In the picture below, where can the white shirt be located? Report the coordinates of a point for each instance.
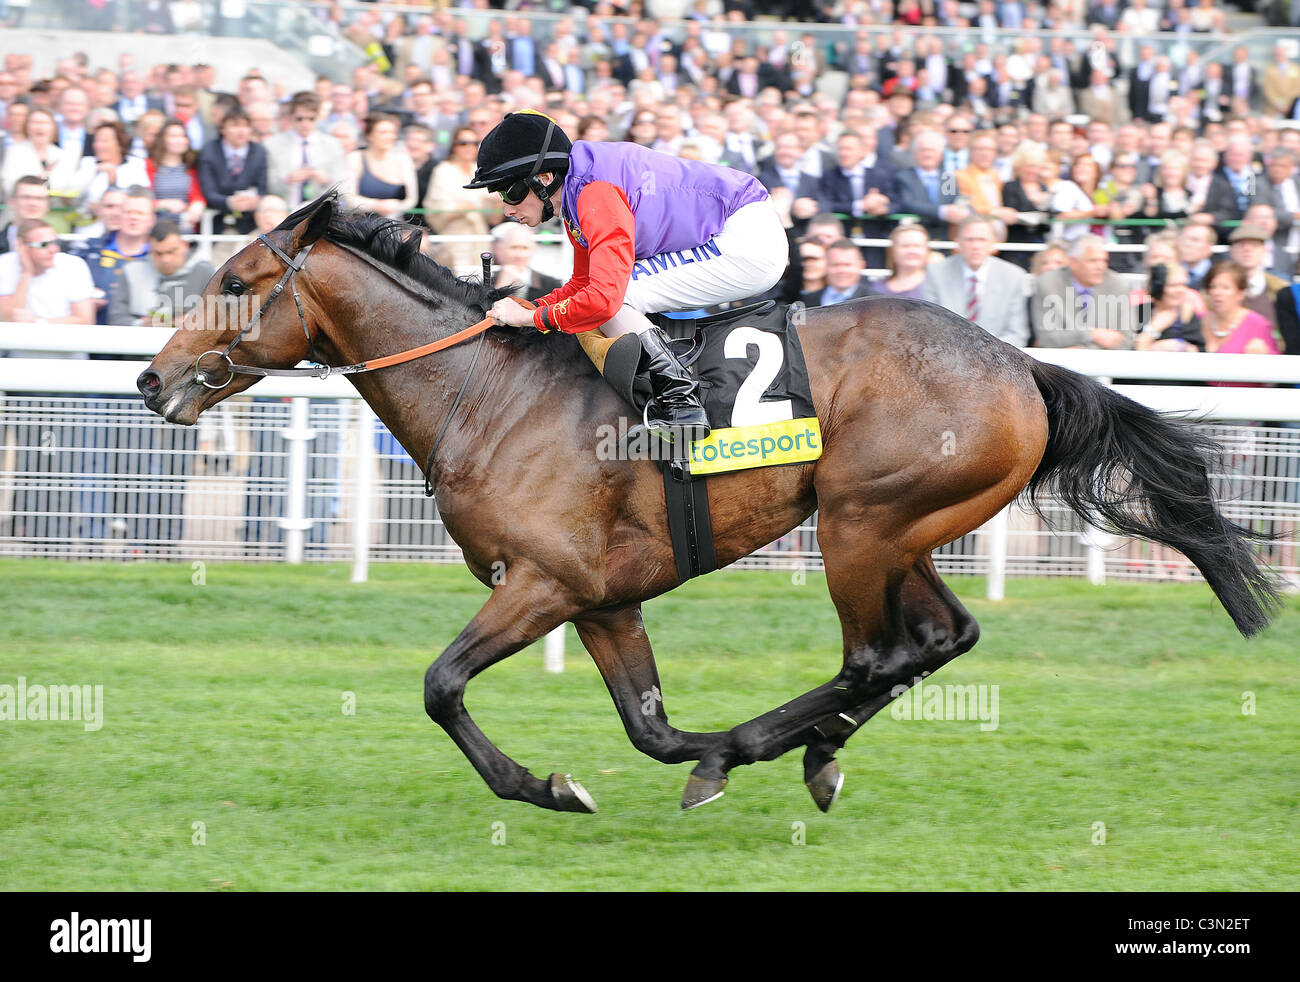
(981, 278)
(53, 293)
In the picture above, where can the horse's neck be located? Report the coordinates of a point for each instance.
(414, 399)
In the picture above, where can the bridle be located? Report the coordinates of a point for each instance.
(293, 268)
(320, 370)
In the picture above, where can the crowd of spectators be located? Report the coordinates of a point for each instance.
(1056, 162)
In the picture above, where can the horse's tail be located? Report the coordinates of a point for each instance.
(1130, 470)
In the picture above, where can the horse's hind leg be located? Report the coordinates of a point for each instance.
(617, 642)
(868, 595)
(939, 628)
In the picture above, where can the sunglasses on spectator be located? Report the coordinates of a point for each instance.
(467, 143)
(957, 129)
(43, 244)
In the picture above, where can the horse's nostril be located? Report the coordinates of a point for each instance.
(149, 382)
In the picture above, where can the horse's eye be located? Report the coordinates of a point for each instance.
(235, 287)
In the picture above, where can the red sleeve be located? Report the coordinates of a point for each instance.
(601, 272)
(581, 264)
(196, 193)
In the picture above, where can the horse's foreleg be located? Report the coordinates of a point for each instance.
(521, 610)
(617, 642)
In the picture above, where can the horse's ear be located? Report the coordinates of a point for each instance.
(317, 223)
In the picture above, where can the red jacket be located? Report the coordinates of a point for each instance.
(601, 270)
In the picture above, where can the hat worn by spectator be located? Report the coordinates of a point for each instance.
(1248, 233)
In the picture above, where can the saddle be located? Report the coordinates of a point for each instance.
(755, 388)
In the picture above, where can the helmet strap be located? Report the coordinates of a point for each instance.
(534, 182)
(544, 193)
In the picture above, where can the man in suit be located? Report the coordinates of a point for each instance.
(1281, 80)
(1139, 83)
(1283, 187)
(861, 60)
(551, 68)
(1214, 95)
(740, 144)
(302, 161)
(811, 128)
(1052, 96)
(925, 190)
(1262, 286)
(1235, 185)
(979, 286)
(956, 155)
(74, 106)
(469, 57)
(233, 171)
(1083, 304)
(132, 101)
(1241, 77)
(782, 170)
(855, 188)
(1104, 12)
(521, 46)
(513, 247)
(844, 266)
(1099, 101)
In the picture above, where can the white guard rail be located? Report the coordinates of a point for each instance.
(50, 371)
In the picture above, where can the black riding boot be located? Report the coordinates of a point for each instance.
(676, 405)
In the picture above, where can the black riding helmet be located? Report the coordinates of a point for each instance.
(520, 147)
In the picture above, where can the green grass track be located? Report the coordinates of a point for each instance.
(1122, 758)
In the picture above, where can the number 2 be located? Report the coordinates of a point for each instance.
(749, 409)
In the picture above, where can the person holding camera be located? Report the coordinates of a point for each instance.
(1174, 324)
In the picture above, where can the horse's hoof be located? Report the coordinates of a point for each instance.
(702, 790)
(825, 785)
(570, 796)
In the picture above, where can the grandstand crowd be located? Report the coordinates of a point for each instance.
(1118, 193)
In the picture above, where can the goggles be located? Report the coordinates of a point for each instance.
(515, 193)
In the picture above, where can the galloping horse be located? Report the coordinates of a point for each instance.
(509, 426)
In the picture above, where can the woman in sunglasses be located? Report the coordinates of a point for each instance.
(650, 233)
(449, 209)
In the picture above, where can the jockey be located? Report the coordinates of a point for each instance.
(650, 233)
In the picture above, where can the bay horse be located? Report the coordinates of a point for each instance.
(930, 427)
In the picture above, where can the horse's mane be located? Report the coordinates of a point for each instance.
(396, 244)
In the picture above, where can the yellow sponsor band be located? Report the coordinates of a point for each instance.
(789, 441)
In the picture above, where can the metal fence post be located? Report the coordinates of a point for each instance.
(295, 521)
(364, 462)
